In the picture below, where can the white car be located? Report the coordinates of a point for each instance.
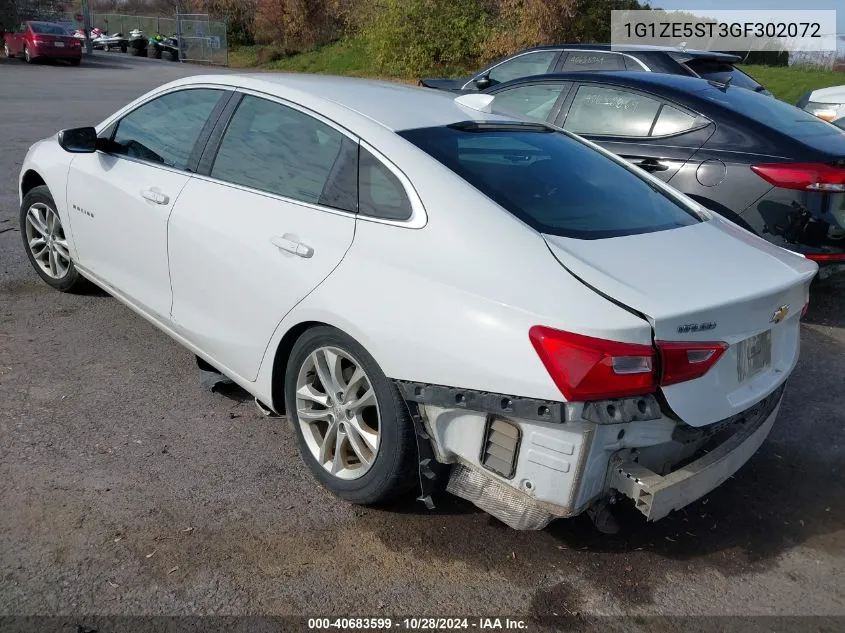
(825, 103)
(414, 278)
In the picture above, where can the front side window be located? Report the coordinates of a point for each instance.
(553, 182)
(280, 150)
(165, 130)
(525, 65)
(610, 111)
(592, 61)
(534, 101)
(381, 195)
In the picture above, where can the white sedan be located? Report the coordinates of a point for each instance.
(416, 279)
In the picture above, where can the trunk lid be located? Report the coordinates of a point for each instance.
(710, 281)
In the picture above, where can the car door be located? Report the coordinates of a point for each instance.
(120, 198)
(657, 136)
(269, 216)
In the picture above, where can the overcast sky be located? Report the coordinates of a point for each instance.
(758, 4)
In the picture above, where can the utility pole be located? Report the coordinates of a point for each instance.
(86, 25)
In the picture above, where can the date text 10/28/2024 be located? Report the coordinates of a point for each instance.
(418, 624)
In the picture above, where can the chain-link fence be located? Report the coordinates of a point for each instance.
(201, 39)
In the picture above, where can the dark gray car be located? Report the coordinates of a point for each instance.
(600, 57)
(766, 165)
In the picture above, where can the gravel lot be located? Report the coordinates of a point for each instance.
(126, 489)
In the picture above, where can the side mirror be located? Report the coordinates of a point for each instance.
(483, 82)
(81, 140)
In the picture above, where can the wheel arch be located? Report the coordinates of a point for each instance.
(280, 361)
(30, 180)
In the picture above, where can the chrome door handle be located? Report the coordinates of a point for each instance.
(155, 196)
(291, 244)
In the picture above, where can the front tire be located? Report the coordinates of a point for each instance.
(45, 242)
(353, 427)
(7, 50)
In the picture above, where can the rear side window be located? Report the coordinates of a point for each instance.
(610, 111)
(553, 182)
(593, 61)
(672, 121)
(534, 101)
(380, 194)
(535, 63)
(280, 150)
(165, 130)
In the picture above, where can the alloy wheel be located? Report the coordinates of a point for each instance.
(46, 239)
(338, 412)
(26, 54)
(6, 50)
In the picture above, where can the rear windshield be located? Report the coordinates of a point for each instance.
(721, 72)
(553, 182)
(771, 112)
(46, 28)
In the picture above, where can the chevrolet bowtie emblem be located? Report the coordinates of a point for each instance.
(780, 314)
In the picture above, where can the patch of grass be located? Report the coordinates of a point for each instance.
(345, 57)
(788, 83)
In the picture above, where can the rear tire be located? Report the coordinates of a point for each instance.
(45, 241)
(7, 50)
(28, 58)
(386, 472)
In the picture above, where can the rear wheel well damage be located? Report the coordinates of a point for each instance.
(31, 179)
(280, 362)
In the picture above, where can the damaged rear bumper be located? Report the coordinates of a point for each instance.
(527, 462)
(656, 496)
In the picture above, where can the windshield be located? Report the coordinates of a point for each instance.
(773, 113)
(46, 28)
(553, 182)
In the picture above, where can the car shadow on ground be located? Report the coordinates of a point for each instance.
(827, 304)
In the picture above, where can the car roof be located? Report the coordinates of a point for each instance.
(393, 105)
(637, 48)
(666, 83)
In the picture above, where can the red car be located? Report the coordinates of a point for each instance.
(42, 40)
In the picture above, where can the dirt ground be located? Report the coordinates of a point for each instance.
(126, 489)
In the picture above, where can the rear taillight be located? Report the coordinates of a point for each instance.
(588, 368)
(826, 257)
(682, 361)
(803, 176)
